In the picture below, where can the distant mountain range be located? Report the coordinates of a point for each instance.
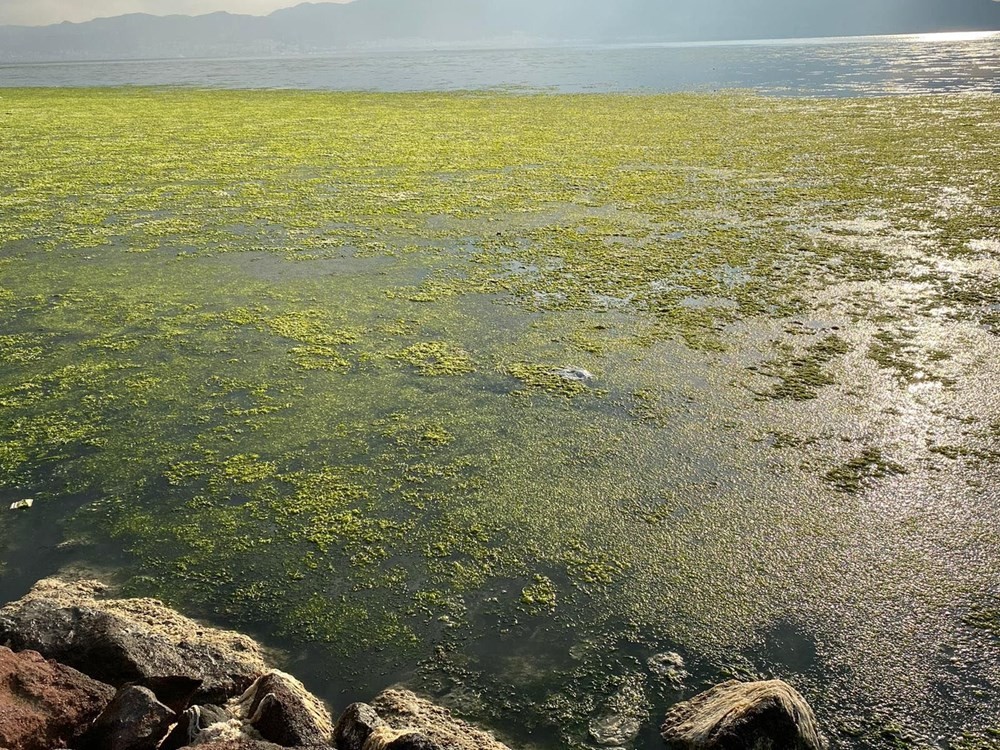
(314, 28)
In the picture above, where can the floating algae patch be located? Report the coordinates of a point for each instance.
(259, 351)
(869, 465)
(802, 376)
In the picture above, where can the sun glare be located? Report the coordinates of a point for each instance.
(956, 36)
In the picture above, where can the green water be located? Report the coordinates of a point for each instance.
(286, 360)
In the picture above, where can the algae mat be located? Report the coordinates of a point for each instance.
(291, 361)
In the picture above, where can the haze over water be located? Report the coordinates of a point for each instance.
(849, 66)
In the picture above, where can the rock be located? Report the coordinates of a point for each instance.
(407, 712)
(624, 714)
(743, 716)
(283, 711)
(118, 641)
(134, 720)
(574, 374)
(45, 705)
(385, 738)
(243, 743)
(669, 666)
(175, 692)
(355, 726)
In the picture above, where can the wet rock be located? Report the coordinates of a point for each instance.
(573, 374)
(743, 716)
(405, 711)
(623, 715)
(45, 705)
(243, 743)
(670, 667)
(283, 711)
(355, 726)
(385, 738)
(134, 720)
(118, 641)
(175, 692)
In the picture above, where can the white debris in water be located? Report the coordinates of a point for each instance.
(26, 503)
(575, 374)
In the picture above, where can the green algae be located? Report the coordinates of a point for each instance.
(985, 617)
(540, 596)
(802, 376)
(236, 341)
(854, 474)
(544, 378)
(437, 358)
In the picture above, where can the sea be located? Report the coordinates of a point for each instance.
(823, 67)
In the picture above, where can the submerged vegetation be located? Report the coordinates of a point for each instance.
(262, 349)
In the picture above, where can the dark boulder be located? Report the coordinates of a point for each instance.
(355, 726)
(121, 641)
(175, 691)
(743, 716)
(134, 720)
(45, 705)
(242, 743)
(412, 741)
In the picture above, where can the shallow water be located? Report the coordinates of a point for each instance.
(852, 66)
(285, 360)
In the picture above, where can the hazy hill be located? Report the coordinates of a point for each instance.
(313, 28)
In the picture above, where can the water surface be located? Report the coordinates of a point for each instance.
(850, 66)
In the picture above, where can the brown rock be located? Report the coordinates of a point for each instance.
(407, 712)
(283, 711)
(44, 705)
(118, 641)
(743, 716)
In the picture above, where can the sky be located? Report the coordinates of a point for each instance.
(40, 12)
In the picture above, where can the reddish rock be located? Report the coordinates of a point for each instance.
(45, 705)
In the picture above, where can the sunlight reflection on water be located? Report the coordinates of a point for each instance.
(855, 66)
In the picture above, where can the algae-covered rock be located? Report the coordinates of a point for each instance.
(279, 707)
(743, 716)
(128, 640)
(404, 711)
(623, 715)
(670, 667)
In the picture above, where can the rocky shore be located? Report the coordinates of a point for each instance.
(80, 669)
